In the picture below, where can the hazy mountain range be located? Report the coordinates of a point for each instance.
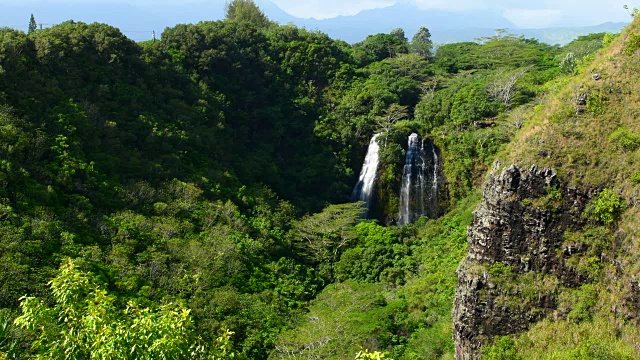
(138, 21)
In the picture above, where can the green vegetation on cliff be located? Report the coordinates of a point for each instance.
(588, 130)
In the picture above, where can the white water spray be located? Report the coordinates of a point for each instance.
(419, 190)
(363, 190)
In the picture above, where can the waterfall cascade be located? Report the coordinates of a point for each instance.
(363, 190)
(419, 191)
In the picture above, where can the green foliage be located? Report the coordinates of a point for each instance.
(605, 207)
(507, 50)
(392, 157)
(376, 258)
(625, 139)
(594, 350)
(596, 241)
(596, 103)
(372, 234)
(376, 355)
(580, 50)
(591, 339)
(32, 25)
(85, 323)
(563, 113)
(499, 269)
(471, 103)
(587, 298)
(608, 39)
(322, 237)
(552, 200)
(595, 238)
(503, 348)
(457, 57)
(432, 112)
(399, 33)
(635, 177)
(632, 44)
(633, 13)
(8, 338)
(568, 63)
(246, 10)
(362, 312)
(439, 246)
(379, 47)
(421, 43)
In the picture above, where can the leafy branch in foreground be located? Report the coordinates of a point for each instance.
(85, 323)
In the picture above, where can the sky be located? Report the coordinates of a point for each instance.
(523, 13)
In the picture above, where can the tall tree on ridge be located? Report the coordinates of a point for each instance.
(421, 43)
(399, 33)
(32, 25)
(246, 10)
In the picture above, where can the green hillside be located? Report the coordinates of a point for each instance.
(588, 130)
(190, 197)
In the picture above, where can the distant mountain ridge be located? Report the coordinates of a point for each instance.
(139, 21)
(356, 28)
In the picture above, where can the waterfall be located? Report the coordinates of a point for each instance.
(434, 183)
(419, 190)
(363, 190)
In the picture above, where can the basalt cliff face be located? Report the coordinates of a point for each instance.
(517, 233)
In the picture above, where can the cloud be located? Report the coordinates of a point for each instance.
(454, 5)
(322, 9)
(533, 18)
(541, 13)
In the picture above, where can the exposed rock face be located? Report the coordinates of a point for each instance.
(520, 223)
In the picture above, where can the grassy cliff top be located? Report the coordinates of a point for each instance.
(588, 127)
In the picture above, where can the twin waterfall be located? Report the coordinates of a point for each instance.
(364, 188)
(419, 190)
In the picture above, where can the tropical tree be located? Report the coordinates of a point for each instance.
(85, 323)
(379, 47)
(421, 43)
(323, 236)
(32, 25)
(246, 10)
(399, 33)
(390, 116)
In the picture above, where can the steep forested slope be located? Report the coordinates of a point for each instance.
(153, 164)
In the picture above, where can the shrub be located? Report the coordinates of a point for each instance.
(596, 103)
(501, 270)
(593, 349)
(606, 207)
(587, 299)
(632, 44)
(85, 322)
(376, 355)
(504, 348)
(608, 39)
(552, 200)
(625, 139)
(568, 63)
(635, 177)
(563, 113)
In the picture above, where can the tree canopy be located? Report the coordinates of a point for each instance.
(246, 10)
(170, 193)
(421, 43)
